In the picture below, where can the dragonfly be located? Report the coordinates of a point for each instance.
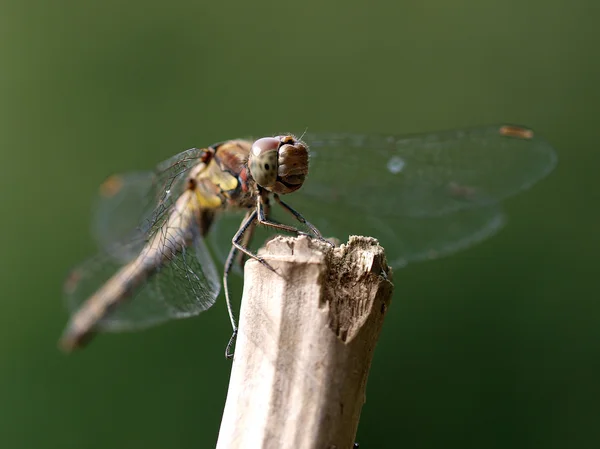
(159, 232)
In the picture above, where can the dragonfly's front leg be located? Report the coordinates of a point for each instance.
(299, 217)
(263, 219)
(262, 209)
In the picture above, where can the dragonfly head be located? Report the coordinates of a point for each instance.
(279, 164)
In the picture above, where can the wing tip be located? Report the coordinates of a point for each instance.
(543, 148)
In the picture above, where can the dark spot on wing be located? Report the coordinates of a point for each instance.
(111, 186)
(516, 131)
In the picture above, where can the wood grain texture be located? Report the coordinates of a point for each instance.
(306, 340)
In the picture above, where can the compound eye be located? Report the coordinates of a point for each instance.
(265, 144)
(263, 163)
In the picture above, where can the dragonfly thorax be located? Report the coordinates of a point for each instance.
(279, 164)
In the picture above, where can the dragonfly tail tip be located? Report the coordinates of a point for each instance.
(72, 340)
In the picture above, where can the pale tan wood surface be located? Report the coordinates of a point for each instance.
(306, 340)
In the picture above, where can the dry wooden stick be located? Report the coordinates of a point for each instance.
(306, 340)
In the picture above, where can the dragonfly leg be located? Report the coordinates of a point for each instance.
(228, 265)
(247, 226)
(298, 217)
(247, 239)
(263, 206)
(238, 237)
(301, 219)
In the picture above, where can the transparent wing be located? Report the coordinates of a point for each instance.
(423, 196)
(132, 205)
(121, 214)
(184, 286)
(406, 239)
(425, 175)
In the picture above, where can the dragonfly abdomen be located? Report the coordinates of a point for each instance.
(169, 240)
(117, 289)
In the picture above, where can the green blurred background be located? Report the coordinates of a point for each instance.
(496, 347)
